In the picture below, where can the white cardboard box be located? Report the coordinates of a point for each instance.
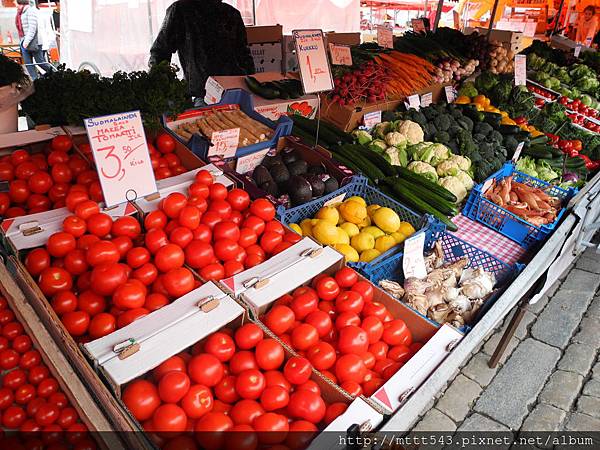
(267, 57)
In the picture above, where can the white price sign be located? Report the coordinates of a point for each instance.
(418, 25)
(312, 61)
(413, 262)
(413, 102)
(122, 159)
(385, 36)
(426, 99)
(520, 70)
(371, 119)
(450, 93)
(248, 163)
(577, 50)
(340, 55)
(518, 151)
(224, 143)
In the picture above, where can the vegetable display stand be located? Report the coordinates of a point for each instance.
(510, 225)
(360, 187)
(233, 100)
(453, 249)
(86, 404)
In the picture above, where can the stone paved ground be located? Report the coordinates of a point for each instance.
(549, 376)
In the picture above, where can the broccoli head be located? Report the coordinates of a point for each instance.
(429, 112)
(442, 122)
(487, 150)
(466, 123)
(417, 116)
(483, 128)
(456, 113)
(496, 137)
(453, 130)
(429, 130)
(479, 138)
(442, 137)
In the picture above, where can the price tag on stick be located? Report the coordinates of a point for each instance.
(385, 36)
(371, 119)
(577, 50)
(450, 93)
(426, 99)
(224, 143)
(413, 102)
(122, 159)
(413, 262)
(312, 61)
(518, 151)
(340, 55)
(520, 70)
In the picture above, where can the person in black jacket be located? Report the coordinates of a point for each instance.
(210, 38)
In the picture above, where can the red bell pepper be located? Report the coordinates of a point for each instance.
(589, 164)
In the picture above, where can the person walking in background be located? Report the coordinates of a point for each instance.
(31, 48)
(210, 39)
(587, 26)
(18, 21)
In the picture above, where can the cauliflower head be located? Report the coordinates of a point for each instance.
(465, 179)
(381, 129)
(395, 139)
(454, 185)
(447, 168)
(378, 145)
(440, 153)
(362, 136)
(411, 131)
(463, 162)
(423, 169)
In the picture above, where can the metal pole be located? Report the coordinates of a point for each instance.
(491, 25)
(558, 13)
(151, 28)
(438, 15)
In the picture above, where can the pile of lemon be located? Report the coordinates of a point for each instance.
(359, 231)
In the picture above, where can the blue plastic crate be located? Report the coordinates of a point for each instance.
(200, 144)
(359, 186)
(454, 248)
(510, 225)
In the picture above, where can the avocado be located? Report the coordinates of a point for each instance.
(317, 170)
(270, 160)
(289, 155)
(331, 184)
(300, 190)
(318, 186)
(270, 187)
(280, 173)
(261, 175)
(298, 167)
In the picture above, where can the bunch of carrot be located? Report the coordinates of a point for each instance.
(407, 73)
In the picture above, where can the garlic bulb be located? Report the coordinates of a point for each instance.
(413, 285)
(451, 293)
(439, 312)
(435, 296)
(461, 304)
(418, 302)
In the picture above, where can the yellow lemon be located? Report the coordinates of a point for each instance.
(328, 213)
(357, 199)
(353, 211)
(296, 228)
(376, 232)
(349, 253)
(325, 232)
(386, 219)
(313, 222)
(365, 223)
(350, 228)
(406, 229)
(363, 241)
(306, 227)
(343, 237)
(371, 209)
(369, 255)
(398, 237)
(384, 243)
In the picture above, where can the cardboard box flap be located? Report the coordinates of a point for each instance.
(263, 34)
(22, 138)
(417, 369)
(282, 281)
(144, 344)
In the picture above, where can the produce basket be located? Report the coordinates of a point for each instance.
(453, 248)
(510, 225)
(359, 186)
(200, 144)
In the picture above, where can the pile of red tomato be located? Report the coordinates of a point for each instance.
(348, 337)
(30, 398)
(102, 274)
(41, 181)
(234, 381)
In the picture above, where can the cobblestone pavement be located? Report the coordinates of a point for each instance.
(549, 376)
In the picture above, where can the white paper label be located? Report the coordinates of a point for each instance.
(426, 99)
(312, 61)
(413, 102)
(385, 36)
(418, 25)
(214, 91)
(413, 262)
(518, 151)
(577, 50)
(122, 159)
(335, 200)
(248, 163)
(450, 93)
(487, 185)
(371, 119)
(520, 70)
(224, 143)
(340, 55)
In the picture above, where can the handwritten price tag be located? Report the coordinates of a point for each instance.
(385, 36)
(371, 119)
(413, 102)
(248, 163)
(224, 143)
(577, 50)
(312, 61)
(340, 55)
(426, 99)
(413, 262)
(518, 151)
(418, 25)
(450, 93)
(121, 154)
(520, 70)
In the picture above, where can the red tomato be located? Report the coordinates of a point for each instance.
(155, 219)
(379, 350)
(18, 191)
(169, 257)
(226, 230)
(40, 182)
(137, 257)
(333, 411)
(271, 428)
(141, 398)
(301, 434)
(241, 437)
(321, 321)
(13, 417)
(67, 417)
(297, 370)
(99, 224)
(269, 354)
(178, 282)
(263, 209)
(189, 217)
(225, 249)
(47, 414)
(91, 303)
(204, 177)
(220, 345)
(395, 332)
(37, 260)
(250, 383)
(279, 319)
(322, 356)
(353, 339)
(205, 369)
(53, 280)
(371, 386)
(238, 199)
(61, 173)
(305, 301)
(244, 412)
(126, 226)
(74, 225)
(22, 343)
(352, 387)
(60, 244)
(241, 361)
(210, 430)
(307, 405)
(373, 327)
(169, 418)
(304, 336)
(165, 143)
(14, 379)
(248, 335)
(102, 325)
(254, 223)
(197, 401)
(76, 322)
(327, 288)
(374, 309)
(173, 204)
(61, 143)
(47, 387)
(30, 359)
(350, 368)
(269, 240)
(365, 289)
(225, 390)
(174, 363)
(349, 301)
(25, 394)
(213, 272)
(173, 386)
(130, 316)
(25, 170)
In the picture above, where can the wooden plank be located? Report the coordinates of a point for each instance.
(120, 420)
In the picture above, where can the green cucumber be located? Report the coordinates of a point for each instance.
(537, 153)
(436, 202)
(417, 179)
(509, 129)
(257, 88)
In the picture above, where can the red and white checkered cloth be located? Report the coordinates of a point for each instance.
(485, 238)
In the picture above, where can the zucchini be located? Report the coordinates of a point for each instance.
(378, 159)
(509, 129)
(276, 86)
(447, 208)
(418, 180)
(537, 152)
(346, 162)
(310, 126)
(364, 166)
(493, 119)
(542, 139)
(257, 88)
(293, 87)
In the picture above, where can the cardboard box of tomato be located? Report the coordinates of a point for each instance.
(387, 350)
